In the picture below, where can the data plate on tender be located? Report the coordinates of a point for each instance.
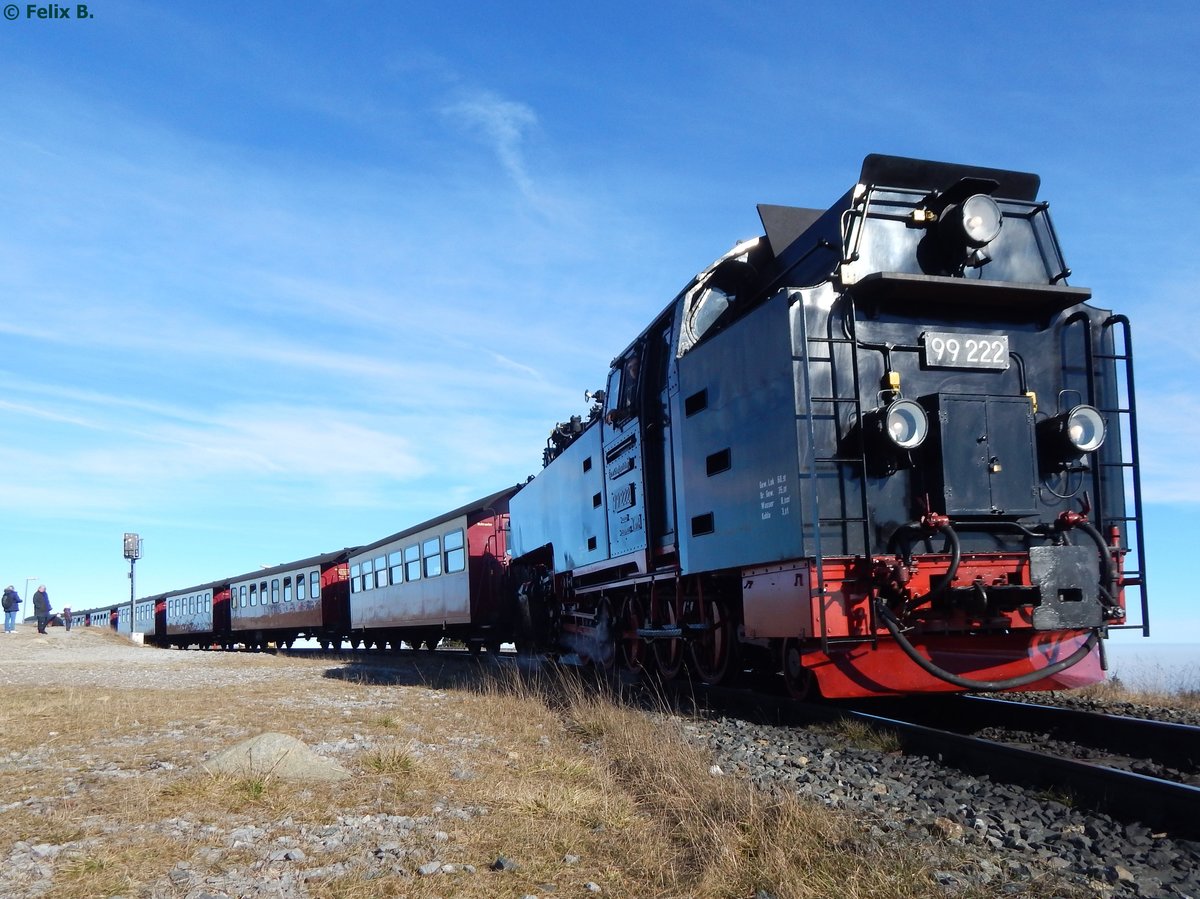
(948, 349)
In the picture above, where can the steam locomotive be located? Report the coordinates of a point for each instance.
(882, 449)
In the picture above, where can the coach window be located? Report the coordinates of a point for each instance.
(275, 590)
(456, 555)
(254, 594)
(431, 551)
(299, 587)
(287, 589)
(314, 585)
(381, 572)
(243, 596)
(368, 568)
(262, 593)
(412, 563)
(396, 564)
(208, 602)
(355, 573)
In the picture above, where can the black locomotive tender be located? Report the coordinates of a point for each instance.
(882, 449)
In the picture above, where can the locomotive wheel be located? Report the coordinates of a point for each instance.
(631, 651)
(668, 654)
(798, 681)
(712, 651)
(604, 650)
(492, 647)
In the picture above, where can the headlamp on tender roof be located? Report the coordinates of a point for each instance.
(980, 220)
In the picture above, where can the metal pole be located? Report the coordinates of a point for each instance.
(133, 552)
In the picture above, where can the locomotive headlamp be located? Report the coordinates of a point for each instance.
(890, 433)
(980, 219)
(1085, 429)
(905, 424)
(1068, 436)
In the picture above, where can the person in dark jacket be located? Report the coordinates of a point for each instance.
(41, 608)
(12, 603)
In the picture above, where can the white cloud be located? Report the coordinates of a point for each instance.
(504, 125)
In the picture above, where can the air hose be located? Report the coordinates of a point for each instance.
(942, 526)
(893, 626)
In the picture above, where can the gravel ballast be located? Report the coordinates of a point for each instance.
(975, 833)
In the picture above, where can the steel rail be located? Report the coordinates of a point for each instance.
(1161, 804)
(1172, 744)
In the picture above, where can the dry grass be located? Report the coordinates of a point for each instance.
(1177, 688)
(561, 769)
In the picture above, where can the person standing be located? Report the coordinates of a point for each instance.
(12, 604)
(41, 608)
(67, 617)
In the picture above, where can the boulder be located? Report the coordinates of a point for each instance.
(277, 756)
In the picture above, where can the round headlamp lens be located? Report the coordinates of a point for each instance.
(1085, 428)
(906, 424)
(981, 220)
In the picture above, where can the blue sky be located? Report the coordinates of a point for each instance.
(280, 278)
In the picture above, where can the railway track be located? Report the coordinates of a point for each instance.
(1089, 756)
(1162, 749)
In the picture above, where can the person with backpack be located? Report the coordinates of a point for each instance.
(11, 605)
(41, 608)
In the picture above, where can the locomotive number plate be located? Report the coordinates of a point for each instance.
(945, 349)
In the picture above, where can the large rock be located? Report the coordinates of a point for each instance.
(276, 756)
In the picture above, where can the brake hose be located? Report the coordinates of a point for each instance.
(893, 626)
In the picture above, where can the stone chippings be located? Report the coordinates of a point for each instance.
(1010, 835)
(971, 832)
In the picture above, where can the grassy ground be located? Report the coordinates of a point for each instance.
(1170, 690)
(561, 771)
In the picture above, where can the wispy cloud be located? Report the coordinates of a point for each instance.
(504, 125)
